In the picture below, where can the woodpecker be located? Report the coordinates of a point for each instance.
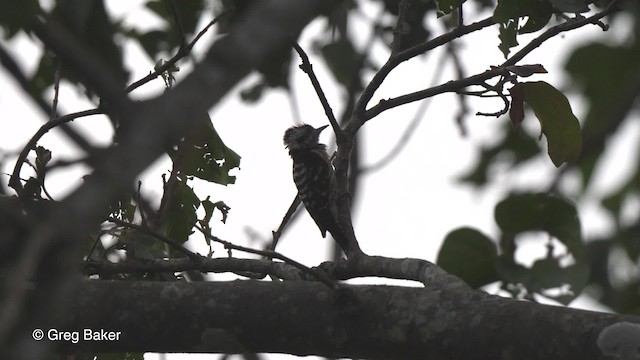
(315, 179)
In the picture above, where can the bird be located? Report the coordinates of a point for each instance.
(314, 176)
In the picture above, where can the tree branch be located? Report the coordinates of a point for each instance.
(14, 69)
(397, 59)
(214, 265)
(308, 69)
(377, 322)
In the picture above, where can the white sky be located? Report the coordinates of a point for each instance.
(404, 210)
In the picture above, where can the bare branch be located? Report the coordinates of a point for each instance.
(182, 52)
(570, 24)
(165, 239)
(405, 55)
(61, 120)
(408, 131)
(13, 68)
(318, 275)
(400, 28)
(56, 89)
(14, 182)
(216, 265)
(308, 69)
(285, 221)
(478, 79)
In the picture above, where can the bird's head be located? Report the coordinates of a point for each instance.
(302, 137)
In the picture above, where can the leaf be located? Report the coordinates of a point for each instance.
(507, 37)
(470, 255)
(181, 216)
(538, 15)
(527, 70)
(511, 272)
(43, 156)
(123, 207)
(205, 156)
(153, 42)
(16, 15)
(559, 124)
(209, 207)
(571, 6)
(509, 13)
(254, 92)
(141, 246)
(557, 217)
(343, 60)
(537, 12)
(188, 12)
(548, 274)
(541, 212)
(607, 90)
(516, 111)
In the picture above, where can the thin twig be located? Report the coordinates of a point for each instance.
(317, 274)
(555, 30)
(410, 129)
(460, 74)
(167, 240)
(285, 221)
(14, 182)
(56, 89)
(9, 63)
(308, 69)
(213, 265)
(182, 52)
(400, 27)
(405, 55)
(478, 79)
(176, 18)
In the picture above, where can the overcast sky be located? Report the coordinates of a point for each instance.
(404, 210)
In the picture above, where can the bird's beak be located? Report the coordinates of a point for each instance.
(319, 130)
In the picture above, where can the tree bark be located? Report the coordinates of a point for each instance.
(308, 318)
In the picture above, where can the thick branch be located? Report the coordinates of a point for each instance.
(306, 318)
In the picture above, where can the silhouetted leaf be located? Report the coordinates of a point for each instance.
(187, 11)
(507, 37)
(610, 92)
(509, 13)
(558, 123)
(516, 110)
(205, 156)
(342, 59)
(541, 212)
(181, 216)
(470, 255)
(16, 15)
(571, 6)
(556, 216)
(527, 70)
